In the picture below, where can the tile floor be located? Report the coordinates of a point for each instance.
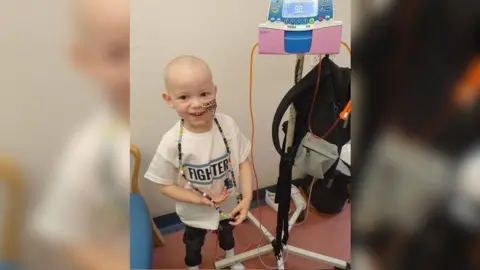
(327, 235)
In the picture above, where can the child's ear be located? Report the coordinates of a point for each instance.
(168, 99)
(215, 90)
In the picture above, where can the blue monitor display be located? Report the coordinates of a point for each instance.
(300, 12)
(299, 9)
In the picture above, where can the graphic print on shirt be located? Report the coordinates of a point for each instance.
(205, 174)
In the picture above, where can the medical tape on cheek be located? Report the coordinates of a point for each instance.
(210, 106)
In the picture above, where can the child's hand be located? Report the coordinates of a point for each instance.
(242, 211)
(217, 198)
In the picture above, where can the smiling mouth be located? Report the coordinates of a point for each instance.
(198, 114)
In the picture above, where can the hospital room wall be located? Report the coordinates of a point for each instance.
(43, 100)
(222, 33)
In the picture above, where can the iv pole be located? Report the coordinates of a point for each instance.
(300, 206)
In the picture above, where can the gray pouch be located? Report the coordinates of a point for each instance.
(315, 156)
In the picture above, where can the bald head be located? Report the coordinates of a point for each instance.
(95, 16)
(185, 71)
(100, 46)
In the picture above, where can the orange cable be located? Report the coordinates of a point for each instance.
(468, 87)
(252, 136)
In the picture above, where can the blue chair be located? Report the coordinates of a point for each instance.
(11, 214)
(144, 234)
(9, 266)
(141, 234)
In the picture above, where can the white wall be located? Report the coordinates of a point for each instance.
(42, 99)
(222, 33)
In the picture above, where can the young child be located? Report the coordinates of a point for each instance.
(84, 213)
(201, 145)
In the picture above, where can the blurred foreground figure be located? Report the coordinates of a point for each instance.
(417, 197)
(85, 211)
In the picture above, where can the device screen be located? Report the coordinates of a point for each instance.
(299, 8)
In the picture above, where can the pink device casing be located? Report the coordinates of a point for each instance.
(326, 37)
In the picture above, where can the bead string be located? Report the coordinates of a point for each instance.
(239, 196)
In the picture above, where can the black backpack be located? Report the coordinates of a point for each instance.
(332, 96)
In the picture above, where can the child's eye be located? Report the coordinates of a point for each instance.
(182, 97)
(204, 94)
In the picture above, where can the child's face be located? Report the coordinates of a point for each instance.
(187, 98)
(102, 50)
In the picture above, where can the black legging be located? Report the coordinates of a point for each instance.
(194, 238)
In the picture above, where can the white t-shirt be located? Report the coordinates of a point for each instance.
(87, 201)
(469, 175)
(466, 203)
(205, 163)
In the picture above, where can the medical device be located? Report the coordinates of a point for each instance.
(300, 27)
(293, 27)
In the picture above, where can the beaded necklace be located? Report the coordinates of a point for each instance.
(229, 183)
